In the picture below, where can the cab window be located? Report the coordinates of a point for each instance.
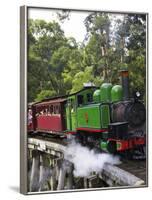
(51, 109)
(80, 100)
(89, 97)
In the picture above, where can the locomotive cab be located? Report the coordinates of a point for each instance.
(74, 102)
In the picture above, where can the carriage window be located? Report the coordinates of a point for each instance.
(56, 109)
(89, 97)
(45, 112)
(80, 100)
(51, 109)
(41, 111)
(59, 109)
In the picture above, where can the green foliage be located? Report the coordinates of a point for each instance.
(82, 77)
(98, 28)
(45, 94)
(58, 65)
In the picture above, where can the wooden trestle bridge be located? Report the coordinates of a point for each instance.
(49, 171)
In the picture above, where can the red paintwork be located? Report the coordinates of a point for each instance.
(71, 132)
(30, 127)
(92, 130)
(49, 123)
(125, 144)
(129, 144)
(49, 115)
(139, 141)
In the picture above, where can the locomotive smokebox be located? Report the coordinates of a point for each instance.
(125, 83)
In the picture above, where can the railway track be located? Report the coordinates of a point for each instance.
(137, 167)
(128, 173)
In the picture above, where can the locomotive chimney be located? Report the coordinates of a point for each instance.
(125, 83)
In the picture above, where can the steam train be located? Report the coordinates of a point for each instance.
(104, 117)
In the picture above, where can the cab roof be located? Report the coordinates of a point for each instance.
(59, 99)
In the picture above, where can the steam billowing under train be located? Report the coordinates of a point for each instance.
(104, 117)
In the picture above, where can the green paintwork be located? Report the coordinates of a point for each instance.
(68, 117)
(72, 105)
(84, 93)
(93, 116)
(104, 145)
(118, 145)
(89, 116)
(108, 146)
(105, 92)
(71, 113)
(116, 93)
(96, 96)
(105, 116)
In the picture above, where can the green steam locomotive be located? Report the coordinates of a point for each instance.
(104, 117)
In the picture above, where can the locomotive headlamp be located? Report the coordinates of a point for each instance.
(138, 94)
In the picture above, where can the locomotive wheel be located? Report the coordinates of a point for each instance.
(138, 153)
(80, 138)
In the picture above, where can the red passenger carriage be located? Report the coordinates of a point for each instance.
(49, 116)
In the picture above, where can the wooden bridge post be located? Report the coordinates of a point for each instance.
(61, 178)
(70, 179)
(54, 178)
(34, 177)
(85, 182)
(66, 168)
(45, 171)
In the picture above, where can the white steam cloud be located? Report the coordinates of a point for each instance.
(86, 161)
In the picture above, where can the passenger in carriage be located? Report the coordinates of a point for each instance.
(51, 110)
(45, 111)
(41, 112)
(29, 117)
